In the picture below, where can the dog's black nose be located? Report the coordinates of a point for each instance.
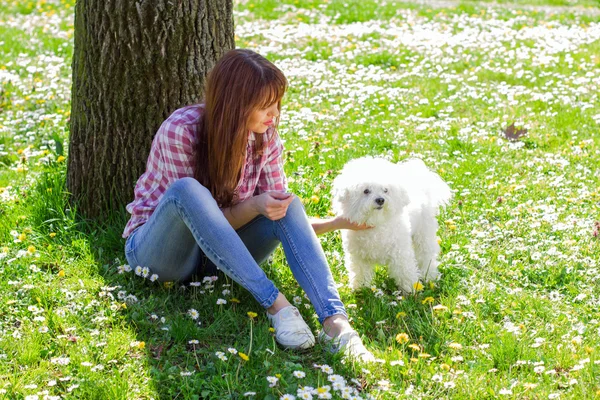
(380, 201)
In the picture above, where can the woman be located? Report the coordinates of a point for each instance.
(214, 194)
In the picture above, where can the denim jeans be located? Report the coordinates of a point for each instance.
(187, 225)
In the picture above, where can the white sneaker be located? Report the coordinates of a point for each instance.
(350, 344)
(291, 331)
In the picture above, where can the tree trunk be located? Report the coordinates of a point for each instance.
(134, 63)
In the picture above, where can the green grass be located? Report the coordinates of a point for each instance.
(515, 314)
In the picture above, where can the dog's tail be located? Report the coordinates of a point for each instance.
(416, 172)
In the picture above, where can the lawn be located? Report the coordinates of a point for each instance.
(516, 312)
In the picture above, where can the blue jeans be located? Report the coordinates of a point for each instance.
(187, 226)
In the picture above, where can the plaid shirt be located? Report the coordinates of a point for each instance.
(172, 158)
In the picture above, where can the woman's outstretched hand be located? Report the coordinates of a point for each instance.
(273, 205)
(343, 223)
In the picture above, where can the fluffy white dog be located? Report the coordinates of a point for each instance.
(401, 202)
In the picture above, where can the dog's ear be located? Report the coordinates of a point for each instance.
(401, 196)
(339, 194)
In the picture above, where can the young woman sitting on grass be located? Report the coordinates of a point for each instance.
(214, 194)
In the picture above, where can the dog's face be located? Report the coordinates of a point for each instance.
(367, 191)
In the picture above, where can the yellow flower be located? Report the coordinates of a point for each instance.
(168, 285)
(61, 273)
(252, 315)
(418, 286)
(123, 305)
(431, 285)
(141, 345)
(244, 356)
(61, 159)
(278, 376)
(402, 338)
(427, 300)
(234, 300)
(424, 355)
(22, 237)
(414, 346)
(401, 314)
(445, 367)
(31, 249)
(440, 308)
(52, 234)
(412, 359)
(314, 199)
(49, 190)
(271, 329)
(455, 346)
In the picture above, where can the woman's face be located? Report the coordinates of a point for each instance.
(261, 119)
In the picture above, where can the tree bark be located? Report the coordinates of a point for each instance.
(134, 63)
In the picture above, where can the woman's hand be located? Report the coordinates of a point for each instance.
(343, 223)
(273, 205)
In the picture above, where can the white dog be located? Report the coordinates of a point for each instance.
(401, 203)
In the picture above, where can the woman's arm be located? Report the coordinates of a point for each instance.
(321, 226)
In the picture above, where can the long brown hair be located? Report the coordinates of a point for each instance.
(241, 82)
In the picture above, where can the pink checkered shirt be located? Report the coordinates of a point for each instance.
(172, 158)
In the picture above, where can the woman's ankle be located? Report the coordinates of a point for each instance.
(280, 302)
(336, 325)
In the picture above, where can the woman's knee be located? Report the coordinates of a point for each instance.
(296, 206)
(188, 186)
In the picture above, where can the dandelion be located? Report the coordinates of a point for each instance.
(221, 302)
(61, 273)
(193, 314)
(428, 300)
(52, 234)
(402, 338)
(252, 315)
(418, 286)
(299, 374)
(234, 300)
(60, 159)
(414, 346)
(455, 346)
(401, 314)
(243, 356)
(139, 345)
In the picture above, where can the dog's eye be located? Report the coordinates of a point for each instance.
(367, 191)
(385, 190)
